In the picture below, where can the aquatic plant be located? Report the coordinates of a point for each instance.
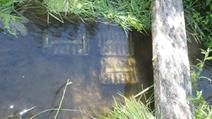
(197, 69)
(132, 108)
(10, 19)
(202, 109)
(62, 98)
(68, 83)
(135, 109)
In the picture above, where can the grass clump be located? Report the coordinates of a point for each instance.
(132, 108)
(127, 13)
(202, 109)
(198, 68)
(135, 109)
(10, 19)
(199, 21)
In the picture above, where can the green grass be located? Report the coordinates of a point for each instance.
(135, 109)
(132, 108)
(10, 18)
(202, 109)
(199, 21)
(198, 68)
(128, 13)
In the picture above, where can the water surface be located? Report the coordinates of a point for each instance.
(101, 60)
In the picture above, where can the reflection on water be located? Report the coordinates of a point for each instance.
(206, 84)
(99, 59)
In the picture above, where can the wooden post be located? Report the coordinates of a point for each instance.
(172, 82)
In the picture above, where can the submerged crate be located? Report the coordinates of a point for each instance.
(116, 50)
(114, 41)
(57, 42)
(118, 70)
(114, 47)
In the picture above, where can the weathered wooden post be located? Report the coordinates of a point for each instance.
(172, 83)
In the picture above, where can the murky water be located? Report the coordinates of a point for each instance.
(204, 84)
(101, 60)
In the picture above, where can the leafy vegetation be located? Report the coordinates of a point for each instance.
(133, 108)
(127, 13)
(197, 69)
(199, 20)
(129, 110)
(202, 109)
(10, 19)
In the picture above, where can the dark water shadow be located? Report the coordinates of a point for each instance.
(101, 60)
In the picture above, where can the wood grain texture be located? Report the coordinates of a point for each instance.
(172, 82)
